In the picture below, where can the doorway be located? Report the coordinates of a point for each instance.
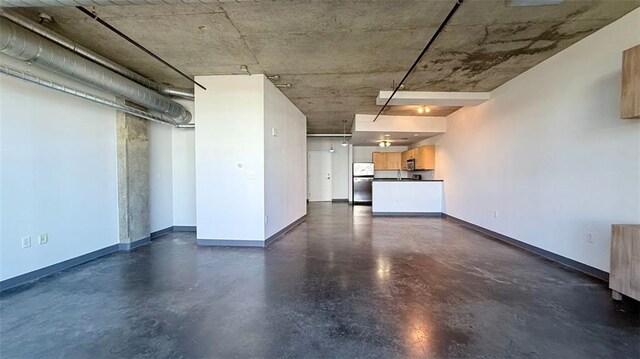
(319, 176)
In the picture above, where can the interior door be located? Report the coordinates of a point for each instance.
(319, 176)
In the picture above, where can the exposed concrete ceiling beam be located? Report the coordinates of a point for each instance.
(422, 98)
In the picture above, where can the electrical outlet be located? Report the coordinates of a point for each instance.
(590, 237)
(43, 238)
(266, 219)
(495, 213)
(26, 242)
(251, 175)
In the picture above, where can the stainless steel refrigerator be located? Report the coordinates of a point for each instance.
(362, 182)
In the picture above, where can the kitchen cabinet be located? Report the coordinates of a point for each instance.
(387, 161)
(630, 98)
(425, 157)
(407, 155)
(625, 261)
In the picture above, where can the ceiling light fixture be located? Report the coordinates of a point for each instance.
(284, 86)
(384, 143)
(331, 149)
(424, 109)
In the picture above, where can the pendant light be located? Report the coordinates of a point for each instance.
(331, 149)
(344, 134)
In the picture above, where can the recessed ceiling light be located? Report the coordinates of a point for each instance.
(416, 134)
(420, 109)
(387, 135)
(427, 109)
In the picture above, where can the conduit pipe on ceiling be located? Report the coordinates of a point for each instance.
(9, 71)
(70, 45)
(51, 3)
(22, 44)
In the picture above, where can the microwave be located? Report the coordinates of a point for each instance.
(411, 164)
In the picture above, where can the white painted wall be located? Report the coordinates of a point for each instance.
(58, 176)
(173, 174)
(160, 176)
(550, 153)
(183, 159)
(285, 161)
(340, 165)
(230, 120)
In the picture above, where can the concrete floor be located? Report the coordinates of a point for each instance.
(341, 285)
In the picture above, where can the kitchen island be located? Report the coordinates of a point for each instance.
(406, 197)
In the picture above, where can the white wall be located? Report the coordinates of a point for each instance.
(183, 159)
(230, 120)
(285, 161)
(172, 171)
(58, 169)
(550, 153)
(161, 176)
(340, 174)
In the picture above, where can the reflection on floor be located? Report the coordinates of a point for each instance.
(343, 284)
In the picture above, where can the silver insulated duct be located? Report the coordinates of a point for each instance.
(22, 44)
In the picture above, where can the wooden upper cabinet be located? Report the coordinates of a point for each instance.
(386, 161)
(394, 160)
(630, 99)
(425, 157)
(403, 160)
(379, 161)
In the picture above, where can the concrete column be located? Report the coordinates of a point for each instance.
(133, 180)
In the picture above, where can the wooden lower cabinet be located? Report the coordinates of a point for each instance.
(625, 261)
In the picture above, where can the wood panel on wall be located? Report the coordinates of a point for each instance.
(625, 261)
(630, 98)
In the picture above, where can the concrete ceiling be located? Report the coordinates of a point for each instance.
(339, 54)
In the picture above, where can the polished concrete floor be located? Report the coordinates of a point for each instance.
(341, 285)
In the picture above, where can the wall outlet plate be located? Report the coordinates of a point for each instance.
(589, 237)
(26, 242)
(43, 238)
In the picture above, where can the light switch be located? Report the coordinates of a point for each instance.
(274, 132)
